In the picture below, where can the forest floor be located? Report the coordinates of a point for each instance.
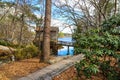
(14, 70)
(18, 69)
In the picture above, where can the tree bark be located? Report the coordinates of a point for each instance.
(115, 7)
(46, 34)
(21, 29)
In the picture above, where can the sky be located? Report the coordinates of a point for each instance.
(56, 19)
(61, 21)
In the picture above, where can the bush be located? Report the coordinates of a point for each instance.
(8, 43)
(29, 51)
(19, 54)
(4, 43)
(100, 49)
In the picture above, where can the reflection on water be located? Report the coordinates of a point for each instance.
(64, 50)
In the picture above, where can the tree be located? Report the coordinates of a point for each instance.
(115, 7)
(88, 13)
(19, 16)
(46, 34)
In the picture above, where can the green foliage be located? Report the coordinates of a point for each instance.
(109, 71)
(8, 43)
(28, 51)
(5, 43)
(111, 23)
(19, 55)
(99, 48)
(87, 68)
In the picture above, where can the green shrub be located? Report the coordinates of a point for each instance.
(4, 43)
(99, 47)
(8, 43)
(19, 54)
(29, 51)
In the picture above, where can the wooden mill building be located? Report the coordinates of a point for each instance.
(53, 35)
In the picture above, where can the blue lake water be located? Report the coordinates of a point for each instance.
(64, 50)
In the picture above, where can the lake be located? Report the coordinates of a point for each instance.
(64, 50)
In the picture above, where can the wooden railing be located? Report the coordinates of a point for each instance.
(64, 43)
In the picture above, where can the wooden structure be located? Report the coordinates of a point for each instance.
(68, 44)
(53, 35)
(64, 43)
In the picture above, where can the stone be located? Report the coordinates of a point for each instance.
(53, 70)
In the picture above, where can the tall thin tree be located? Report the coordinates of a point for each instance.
(115, 7)
(46, 33)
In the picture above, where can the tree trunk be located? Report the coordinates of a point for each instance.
(21, 29)
(115, 7)
(13, 24)
(46, 34)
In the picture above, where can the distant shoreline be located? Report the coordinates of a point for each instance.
(66, 35)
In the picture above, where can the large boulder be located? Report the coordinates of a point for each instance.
(4, 50)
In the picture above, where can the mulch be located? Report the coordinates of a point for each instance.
(15, 70)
